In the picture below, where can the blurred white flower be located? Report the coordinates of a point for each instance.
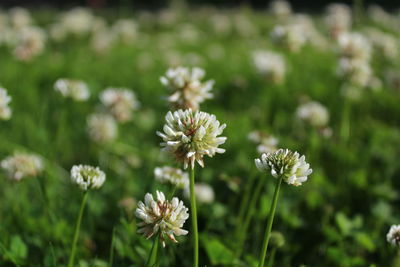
(161, 216)
(354, 46)
(102, 128)
(381, 17)
(357, 72)
(78, 21)
(286, 164)
(188, 91)
(190, 135)
(121, 102)
(292, 36)
(204, 193)
(30, 42)
(102, 41)
(338, 19)
(21, 165)
(386, 44)
(280, 8)
(5, 99)
(393, 236)
(270, 64)
(87, 177)
(171, 175)
(266, 143)
(75, 89)
(19, 18)
(313, 113)
(125, 30)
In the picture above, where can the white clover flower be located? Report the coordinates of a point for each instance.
(338, 19)
(190, 135)
(5, 99)
(188, 91)
(21, 165)
(102, 128)
(172, 175)
(270, 64)
(357, 72)
(393, 236)
(120, 102)
(354, 46)
(286, 164)
(386, 44)
(75, 89)
(87, 177)
(280, 8)
(161, 215)
(30, 42)
(125, 30)
(313, 113)
(292, 36)
(204, 193)
(78, 21)
(102, 41)
(266, 143)
(20, 18)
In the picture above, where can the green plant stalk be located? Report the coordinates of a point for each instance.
(111, 260)
(173, 192)
(249, 215)
(193, 210)
(269, 223)
(271, 258)
(153, 256)
(345, 123)
(77, 228)
(243, 205)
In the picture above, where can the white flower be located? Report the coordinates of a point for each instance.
(191, 135)
(292, 36)
(102, 41)
(393, 236)
(338, 19)
(204, 193)
(280, 8)
(270, 64)
(161, 215)
(314, 113)
(76, 89)
(125, 30)
(354, 46)
(120, 102)
(87, 177)
(5, 99)
(286, 164)
(20, 17)
(385, 43)
(78, 21)
(30, 42)
(21, 165)
(172, 175)
(357, 72)
(102, 128)
(188, 89)
(266, 143)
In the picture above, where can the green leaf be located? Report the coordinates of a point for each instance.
(217, 252)
(18, 249)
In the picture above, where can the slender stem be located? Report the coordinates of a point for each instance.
(153, 256)
(173, 192)
(244, 204)
(345, 123)
(111, 260)
(269, 223)
(77, 228)
(194, 219)
(271, 258)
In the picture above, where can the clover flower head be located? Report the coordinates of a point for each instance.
(102, 128)
(126, 30)
(5, 99)
(266, 143)
(188, 91)
(292, 36)
(270, 64)
(78, 21)
(87, 177)
(354, 46)
(161, 216)
(286, 164)
(174, 176)
(75, 89)
(21, 165)
(338, 18)
(30, 42)
(204, 193)
(280, 8)
(189, 135)
(120, 102)
(393, 236)
(313, 113)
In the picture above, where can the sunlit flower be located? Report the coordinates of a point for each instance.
(286, 164)
(102, 128)
(280, 8)
(21, 165)
(190, 135)
(188, 91)
(292, 36)
(161, 215)
(125, 30)
(354, 46)
(171, 175)
(5, 99)
(393, 236)
(19, 18)
(75, 89)
(120, 102)
(338, 19)
(87, 177)
(78, 21)
(313, 113)
(30, 42)
(204, 193)
(270, 64)
(357, 72)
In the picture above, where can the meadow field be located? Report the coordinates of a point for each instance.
(145, 96)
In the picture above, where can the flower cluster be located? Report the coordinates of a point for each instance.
(313, 113)
(292, 36)
(161, 216)
(174, 176)
(188, 91)
(87, 177)
(30, 42)
(190, 135)
(338, 19)
(21, 165)
(5, 99)
(286, 164)
(75, 89)
(280, 9)
(266, 143)
(102, 128)
(393, 236)
(270, 64)
(120, 102)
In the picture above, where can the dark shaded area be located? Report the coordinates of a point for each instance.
(298, 5)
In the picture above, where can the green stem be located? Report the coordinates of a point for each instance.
(153, 257)
(77, 228)
(271, 258)
(244, 204)
(194, 219)
(269, 223)
(111, 260)
(345, 123)
(173, 192)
